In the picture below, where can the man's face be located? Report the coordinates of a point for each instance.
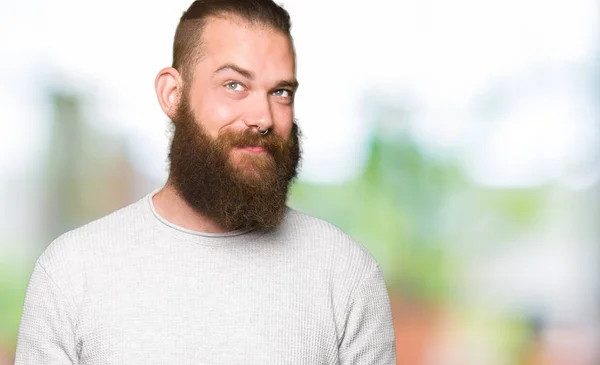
(220, 164)
(244, 80)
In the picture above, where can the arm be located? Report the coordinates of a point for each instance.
(368, 337)
(47, 328)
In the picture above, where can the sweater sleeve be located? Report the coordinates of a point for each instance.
(368, 337)
(47, 328)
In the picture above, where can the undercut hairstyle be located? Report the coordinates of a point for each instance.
(187, 45)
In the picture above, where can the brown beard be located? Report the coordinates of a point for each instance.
(250, 192)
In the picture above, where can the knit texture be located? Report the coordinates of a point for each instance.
(132, 288)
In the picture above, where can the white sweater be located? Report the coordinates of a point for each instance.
(132, 288)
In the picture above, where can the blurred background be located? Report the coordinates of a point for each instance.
(459, 141)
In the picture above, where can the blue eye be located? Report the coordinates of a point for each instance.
(235, 86)
(283, 93)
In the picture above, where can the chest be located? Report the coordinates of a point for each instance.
(203, 315)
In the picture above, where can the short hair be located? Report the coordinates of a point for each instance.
(187, 47)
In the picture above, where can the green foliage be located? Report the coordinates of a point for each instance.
(411, 210)
(519, 208)
(393, 208)
(13, 284)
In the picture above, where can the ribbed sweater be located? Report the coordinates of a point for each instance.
(132, 288)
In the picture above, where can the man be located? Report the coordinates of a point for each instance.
(214, 268)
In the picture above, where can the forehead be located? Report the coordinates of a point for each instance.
(260, 48)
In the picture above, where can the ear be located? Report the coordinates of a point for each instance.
(168, 87)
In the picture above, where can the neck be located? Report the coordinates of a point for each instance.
(172, 207)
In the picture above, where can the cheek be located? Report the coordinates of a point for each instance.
(224, 112)
(219, 113)
(284, 116)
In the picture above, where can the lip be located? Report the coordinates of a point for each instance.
(254, 149)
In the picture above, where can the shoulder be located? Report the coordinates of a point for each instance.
(337, 248)
(67, 256)
(336, 260)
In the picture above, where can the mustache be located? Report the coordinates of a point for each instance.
(249, 138)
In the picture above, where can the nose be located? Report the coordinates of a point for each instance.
(260, 116)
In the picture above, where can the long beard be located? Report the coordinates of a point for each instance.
(248, 191)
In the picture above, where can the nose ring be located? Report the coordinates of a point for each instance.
(262, 133)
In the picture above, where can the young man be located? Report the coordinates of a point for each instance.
(214, 268)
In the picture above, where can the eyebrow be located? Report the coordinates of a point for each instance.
(250, 75)
(232, 66)
(293, 84)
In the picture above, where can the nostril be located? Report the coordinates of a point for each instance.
(263, 132)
